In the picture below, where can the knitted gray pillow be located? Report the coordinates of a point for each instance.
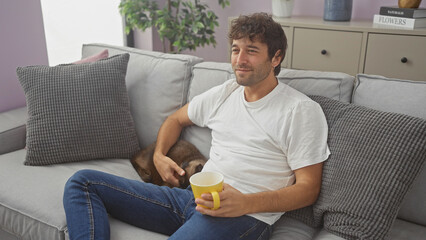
(78, 112)
(375, 157)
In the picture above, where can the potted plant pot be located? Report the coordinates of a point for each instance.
(282, 8)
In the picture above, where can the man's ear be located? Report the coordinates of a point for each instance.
(277, 58)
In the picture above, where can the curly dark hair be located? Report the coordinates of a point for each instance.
(260, 27)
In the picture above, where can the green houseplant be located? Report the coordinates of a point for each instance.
(185, 24)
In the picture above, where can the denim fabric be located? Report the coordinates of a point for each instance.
(90, 196)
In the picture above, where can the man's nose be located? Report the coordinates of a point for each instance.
(242, 57)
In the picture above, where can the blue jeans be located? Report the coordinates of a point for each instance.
(90, 196)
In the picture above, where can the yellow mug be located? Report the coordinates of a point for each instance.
(207, 182)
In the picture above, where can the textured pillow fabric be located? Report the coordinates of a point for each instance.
(400, 96)
(78, 112)
(93, 58)
(375, 157)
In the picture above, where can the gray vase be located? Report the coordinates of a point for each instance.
(337, 10)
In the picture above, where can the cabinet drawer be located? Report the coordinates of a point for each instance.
(327, 50)
(288, 36)
(396, 56)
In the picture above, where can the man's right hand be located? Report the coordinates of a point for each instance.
(168, 169)
(168, 134)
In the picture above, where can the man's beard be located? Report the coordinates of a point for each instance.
(253, 76)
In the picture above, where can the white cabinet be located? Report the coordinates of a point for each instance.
(354, 47)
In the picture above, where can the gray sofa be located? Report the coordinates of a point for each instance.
(157, 85)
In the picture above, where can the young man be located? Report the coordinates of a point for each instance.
(268, 140)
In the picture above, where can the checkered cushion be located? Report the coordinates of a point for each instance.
(375, 157)
(78, 112)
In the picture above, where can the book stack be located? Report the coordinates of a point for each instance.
(409, 18)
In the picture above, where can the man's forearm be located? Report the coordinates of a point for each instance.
(170, 130)
(301, 194)
(167, 136)
(282, 200)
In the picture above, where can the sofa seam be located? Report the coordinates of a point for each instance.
(183, 98)
(390, 79)
(13, 129)
(139, 53)
(290, 78)
(188, 93)
(215, 69)
(356, 85)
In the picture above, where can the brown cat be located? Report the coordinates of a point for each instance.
(183, 153)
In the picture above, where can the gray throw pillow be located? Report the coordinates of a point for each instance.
(78, 112)
(375, 157)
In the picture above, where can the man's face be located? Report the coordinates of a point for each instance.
(250, 61)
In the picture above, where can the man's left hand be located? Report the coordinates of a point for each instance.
(233, 203)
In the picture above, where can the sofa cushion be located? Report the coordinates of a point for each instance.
(406, 230)
(121, 230)
(291, 228)
(157, 84)
(334, 85)
(401, 96)
(78, 112)
(205, 76)
(13, 130)
(390, 94)
(375, 157)
(35, 207)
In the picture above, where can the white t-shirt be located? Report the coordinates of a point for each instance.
(257, 145)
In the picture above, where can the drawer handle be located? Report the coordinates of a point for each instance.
(404, 60)
(323, 52)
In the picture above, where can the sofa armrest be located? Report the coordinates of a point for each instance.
(13, 130)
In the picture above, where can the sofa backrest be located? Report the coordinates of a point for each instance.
(400, 96)
(391, 95)
(334, 85)
(157, 84)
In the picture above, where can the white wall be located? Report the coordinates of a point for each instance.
(69, 24)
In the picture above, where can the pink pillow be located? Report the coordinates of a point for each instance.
(102, 55)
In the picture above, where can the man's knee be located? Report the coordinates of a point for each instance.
(81, 176)
(80, 179)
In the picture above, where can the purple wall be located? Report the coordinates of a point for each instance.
(362, 9)
(22, 43)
